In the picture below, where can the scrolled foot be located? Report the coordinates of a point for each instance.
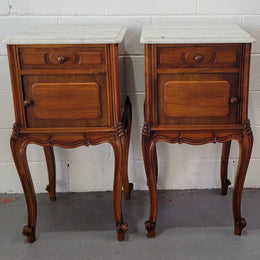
(52, 197)
(121, 230)
(127, 193)
(239, 225)
(29, 233)
(150, 227)
(225, 188)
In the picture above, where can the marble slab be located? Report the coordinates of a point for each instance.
(91, 34)
(194, 33)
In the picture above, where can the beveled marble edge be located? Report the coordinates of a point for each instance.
(91, 34)
(194, 33)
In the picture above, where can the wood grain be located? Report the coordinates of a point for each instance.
(76, 101)
(196, 98)
(197, 106)
(50, 113)
(181, 56)
(46, 58)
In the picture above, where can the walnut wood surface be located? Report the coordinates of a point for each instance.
(176, 113)
(68, 96)
(36, 57)
(200, 97)
(214, 56)
(74, 108)
(76, 101)
(196, 98)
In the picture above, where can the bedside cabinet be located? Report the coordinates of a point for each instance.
(197, 93)
(66, 93)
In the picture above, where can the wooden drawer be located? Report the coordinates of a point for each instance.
(65, 100)
(190, 56)
(62, 57)
(198, 99)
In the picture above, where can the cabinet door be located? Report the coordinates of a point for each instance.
(204, 99)
(66, 100)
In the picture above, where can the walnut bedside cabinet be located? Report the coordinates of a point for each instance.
(197, 93)
(66, 92)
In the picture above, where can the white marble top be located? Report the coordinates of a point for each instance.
(91, 34)
(194, 33)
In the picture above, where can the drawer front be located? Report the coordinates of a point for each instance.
(65, 100)
(62, 57)
(198, 56)
(197, 99)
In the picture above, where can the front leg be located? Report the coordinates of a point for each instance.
(245, 152)
(121, 227)
(18, 147)
(225, 182)
(148, 148)
(50, 160)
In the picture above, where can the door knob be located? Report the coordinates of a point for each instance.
(28, 103)
(198, 58)
(233, 100)
(61, 59)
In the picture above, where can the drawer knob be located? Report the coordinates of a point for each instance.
(233, 100)
(198, 58)
(28, 103)
(61, 59)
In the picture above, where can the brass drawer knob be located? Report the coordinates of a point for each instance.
(198, 58)
(28, 103)
(61, 59)
(233, 100)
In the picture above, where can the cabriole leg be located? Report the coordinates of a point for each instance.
(50, 160)
(121, 227)
(245, 152)
(225, 182)
(148, 154)
(18, 147)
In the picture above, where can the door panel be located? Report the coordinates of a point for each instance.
(203, 99)
(66, 100)
(196, 98)
(76, 100)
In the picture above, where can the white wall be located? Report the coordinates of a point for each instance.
(91, 169)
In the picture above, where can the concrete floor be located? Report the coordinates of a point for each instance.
(192, 224)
